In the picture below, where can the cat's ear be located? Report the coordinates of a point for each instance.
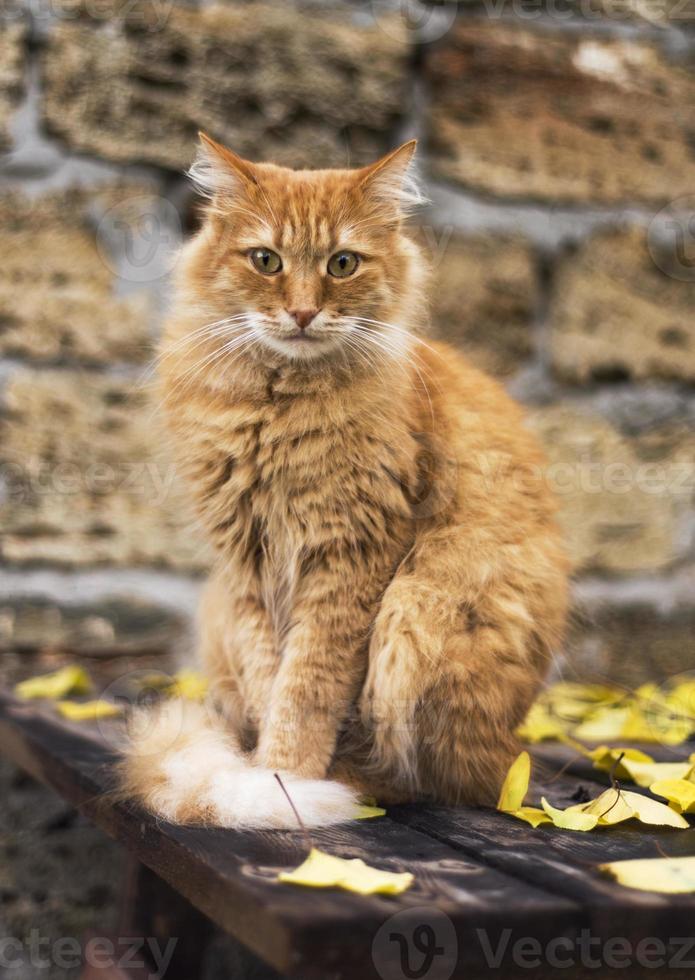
(219, 172)
(391, 181)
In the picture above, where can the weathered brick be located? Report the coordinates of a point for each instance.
(113, 626)
(623, 501)
(276, 83)
(560, 116)
(86, 481)
(483, 297)
(57, 300)
(11, 75)
(615, 312)
(632, 643)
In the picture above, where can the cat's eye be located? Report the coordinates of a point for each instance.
(266, 261)
(343, 264)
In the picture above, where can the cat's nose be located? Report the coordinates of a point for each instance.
(303, 317)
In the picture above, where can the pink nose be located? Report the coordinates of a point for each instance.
(303, 317)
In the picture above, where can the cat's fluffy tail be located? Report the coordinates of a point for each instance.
(184, 766)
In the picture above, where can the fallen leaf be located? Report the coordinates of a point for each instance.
(655, 726)
(571, 819)
(515, 784)
(609, 808)
(670, 876)
(539, 726)
(366, 812)
(68, 680)
(531, 814)
(615, 806)
(679, 792)
(591, 693)
(321, 870)
(646, 773)
(88, 710)
(188, 684)
(605, 725)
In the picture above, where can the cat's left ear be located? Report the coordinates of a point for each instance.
(391, 181)
(218, 171)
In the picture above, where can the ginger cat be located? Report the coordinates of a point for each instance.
(390, 584)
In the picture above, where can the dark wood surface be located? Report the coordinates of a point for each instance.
(475, 869)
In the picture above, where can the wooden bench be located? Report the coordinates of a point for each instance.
(492, 896)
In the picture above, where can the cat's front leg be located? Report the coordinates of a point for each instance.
(321, 672)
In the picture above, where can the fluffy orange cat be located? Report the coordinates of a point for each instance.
(389, 585)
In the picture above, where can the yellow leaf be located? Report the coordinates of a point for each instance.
(571, 819)
(605, 725)
(322, 870)
(652, 812)
(679, 792)
(188, 684)
(585, 692)
(365, 812)
(88, 710)
(156, 679)
(515, 785)
(67, 680)
(670, 876)
(655, 726)
(605, 756)
(646, 773)
(539, 725)
(610, 808)
(531, 814)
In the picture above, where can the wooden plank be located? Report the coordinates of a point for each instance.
(230, 876)
(565, 862)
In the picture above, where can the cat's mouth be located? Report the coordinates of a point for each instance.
(302, 337)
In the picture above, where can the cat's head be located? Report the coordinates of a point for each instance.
(308, 265)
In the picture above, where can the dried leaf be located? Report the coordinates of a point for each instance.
(679, 792)
(68, 680)
(88, 710)
(669, 876)
(571, 819)
(647, 773)
(539, 726)
(321, 870)
(365, 812)
(605, 725)
(615, 806)
(532, 815)
(188, 684)
(515, 785)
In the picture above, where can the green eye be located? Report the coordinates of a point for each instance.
(343, 264)
(265, 261)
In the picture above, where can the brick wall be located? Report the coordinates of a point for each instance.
(558, 149)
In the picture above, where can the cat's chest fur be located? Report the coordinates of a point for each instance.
(298, 474)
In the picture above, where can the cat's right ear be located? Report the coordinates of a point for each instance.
(219, 172)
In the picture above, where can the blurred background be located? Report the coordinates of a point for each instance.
(558, 150)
